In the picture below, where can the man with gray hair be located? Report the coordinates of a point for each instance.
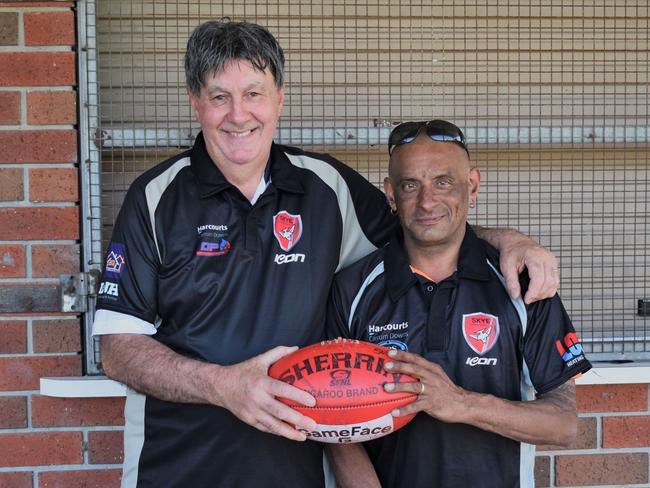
(221, 257)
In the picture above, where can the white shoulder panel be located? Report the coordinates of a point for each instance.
(354, 244)
(156, 187)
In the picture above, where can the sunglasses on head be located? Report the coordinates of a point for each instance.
(437, 130)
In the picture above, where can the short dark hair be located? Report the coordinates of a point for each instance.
(215, 43)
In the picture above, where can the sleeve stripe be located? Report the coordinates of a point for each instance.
(518, 303)
(354, 244)
(154, 190)
(526, 385)
(109, 322)
(379, 269)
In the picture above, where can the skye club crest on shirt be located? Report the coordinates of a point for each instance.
(481, 331)
(287, 229)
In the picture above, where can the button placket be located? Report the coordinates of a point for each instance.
(437, 320)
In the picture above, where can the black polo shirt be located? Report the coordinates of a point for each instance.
(219, 279)
(483, 340)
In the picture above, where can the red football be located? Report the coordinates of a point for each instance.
(346, 377)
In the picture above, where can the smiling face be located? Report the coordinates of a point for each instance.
(238, 109)
(430, 185)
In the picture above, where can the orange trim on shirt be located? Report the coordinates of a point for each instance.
(421, 273)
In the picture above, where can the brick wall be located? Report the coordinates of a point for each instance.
(44, 442)
(70, 443)
(613, 441)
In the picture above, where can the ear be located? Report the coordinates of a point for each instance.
(390, 194)
(280, 99)
(474, 183)
(194, 101)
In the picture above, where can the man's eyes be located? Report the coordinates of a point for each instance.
(408, 186)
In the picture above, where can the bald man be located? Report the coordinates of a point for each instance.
(494, 374)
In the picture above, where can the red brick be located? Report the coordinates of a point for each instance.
(542, 471)
(13, 337)
(56, 107)
(53, 260)
(62, 335)
(612, 398)
(626, 432)
(37, 68)
(49, 28)
(601, 469)
(586, 438)
(24, 373)
(56, 412)
(32, 146)
(99, 478)
(41, 449)
(11, 184)
(9, 106)
(14, 412)
(16, 480)
(31, 223)
(53, 185)
(12, 261)
(8, 29)
(106, 447)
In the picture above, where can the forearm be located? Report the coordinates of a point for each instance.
(500, 237)
(352, 467)
(150, 367)
(550, 419)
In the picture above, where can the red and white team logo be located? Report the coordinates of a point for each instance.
(481, 331)
(287, 229)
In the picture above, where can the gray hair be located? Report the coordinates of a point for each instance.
(215, 43)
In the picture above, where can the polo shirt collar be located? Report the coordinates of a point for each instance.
(279, 170)
(472, 263)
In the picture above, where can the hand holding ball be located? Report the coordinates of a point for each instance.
(346, 377)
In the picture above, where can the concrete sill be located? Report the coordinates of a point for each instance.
(82, 387)
(101, 386)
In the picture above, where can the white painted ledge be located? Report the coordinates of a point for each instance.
(101, 386)
(82, 387)
(616, 374)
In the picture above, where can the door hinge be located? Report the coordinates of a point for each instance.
(75, 289)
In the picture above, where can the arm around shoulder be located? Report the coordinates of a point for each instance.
(519, 252)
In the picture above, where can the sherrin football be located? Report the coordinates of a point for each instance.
(346, 377)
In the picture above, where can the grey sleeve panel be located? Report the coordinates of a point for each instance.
(354, 243)
(155, 189)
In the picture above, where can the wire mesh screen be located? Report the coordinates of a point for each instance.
(553, 97)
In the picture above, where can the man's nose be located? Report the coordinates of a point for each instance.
(238, 111)
(426, 197)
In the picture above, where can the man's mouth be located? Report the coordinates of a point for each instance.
(430, 219)
(240, 133)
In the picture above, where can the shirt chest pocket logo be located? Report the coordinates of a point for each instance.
(212, 240)
(481, 331)
(287, 229)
